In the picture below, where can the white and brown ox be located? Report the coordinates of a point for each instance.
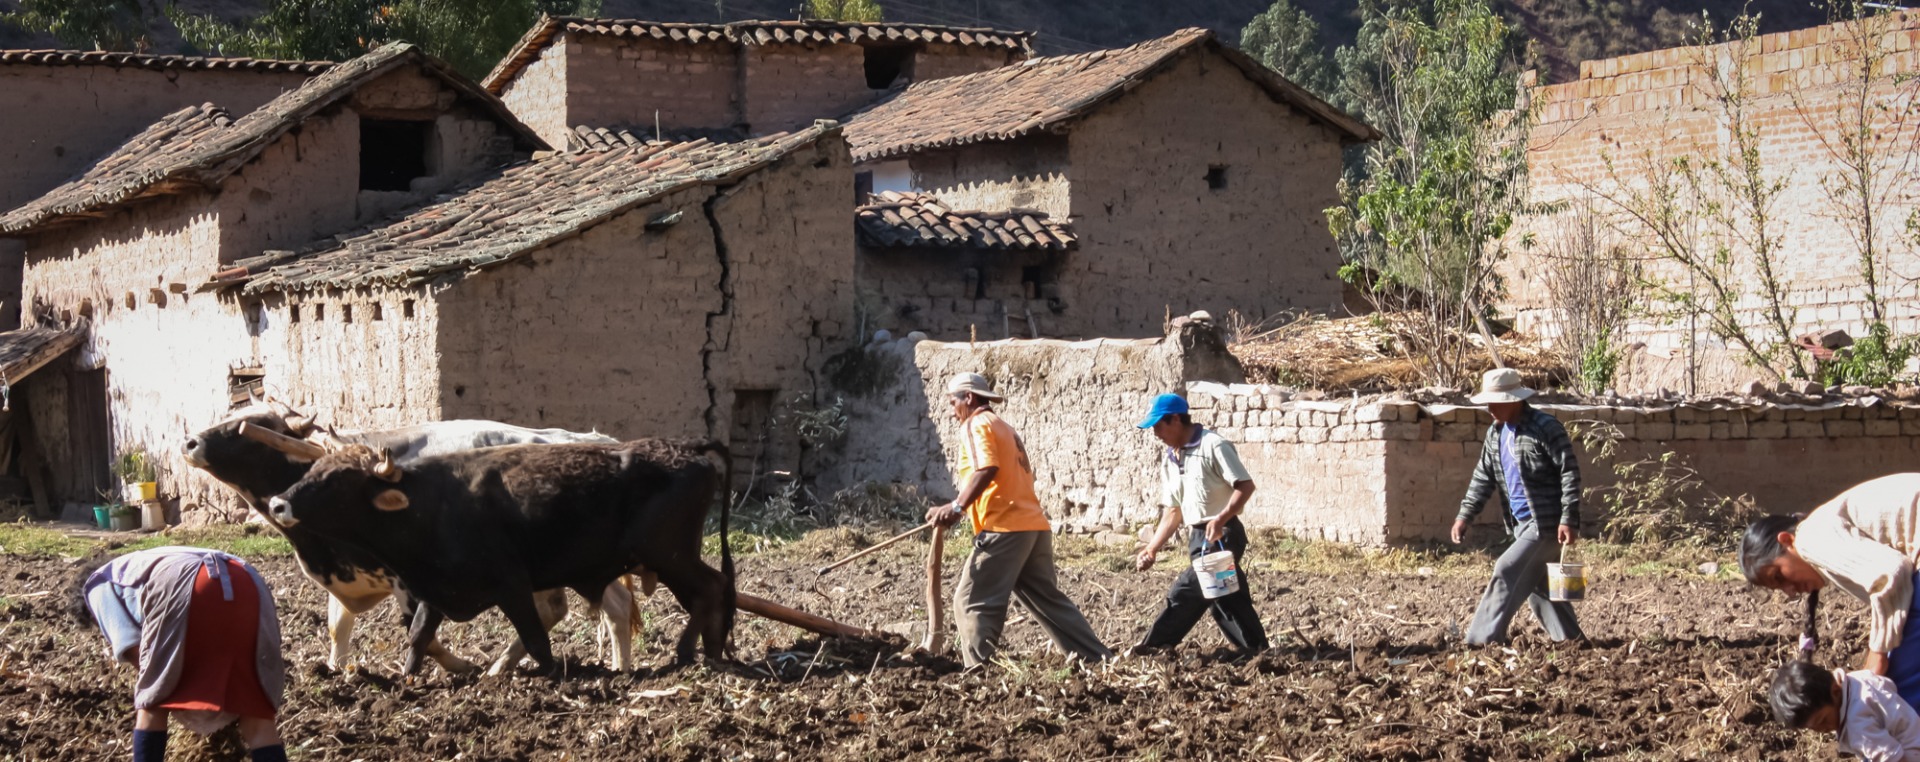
(262, 450)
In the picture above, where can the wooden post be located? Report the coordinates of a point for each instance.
(936, 641)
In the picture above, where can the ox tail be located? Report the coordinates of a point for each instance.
(726, 535)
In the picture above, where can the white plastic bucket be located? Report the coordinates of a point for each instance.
(153, 515)
(1218, 576)
(1567, 580)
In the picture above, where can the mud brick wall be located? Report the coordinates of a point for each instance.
(61, 119)
(1074, 403)
(1029, 173)
(1661, 102)
(938, 60)
(168, 348)
(1153, 235)
(618, 81)
(538, 96)
(944, 294)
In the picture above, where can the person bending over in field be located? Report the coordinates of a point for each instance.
(200, 626)
(1868, 719)
(1864, 541)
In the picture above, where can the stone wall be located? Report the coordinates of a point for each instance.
(1370, 472)
(1031, 173)
(1074, 403)
(1662, 103)
(1154, 236)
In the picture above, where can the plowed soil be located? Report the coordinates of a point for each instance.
(1365, 666)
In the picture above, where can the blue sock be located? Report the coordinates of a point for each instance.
(274, 753)
(149, 745)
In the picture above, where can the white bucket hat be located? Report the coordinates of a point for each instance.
(1501, 385)
(972, 383)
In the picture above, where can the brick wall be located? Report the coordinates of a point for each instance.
(538, 96)
(952, 294)
(166, 348)
(1152, 233)
(939, 60)
(1031, 172)
(789, 86)
(61, 119)
(362, 359)
(616, 81)
(1660, 102)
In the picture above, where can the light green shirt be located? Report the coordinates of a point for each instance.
(1199, 478)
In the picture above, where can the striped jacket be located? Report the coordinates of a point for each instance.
(1548, 471)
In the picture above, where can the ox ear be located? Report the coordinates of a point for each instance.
(391, 500)
(386, 469)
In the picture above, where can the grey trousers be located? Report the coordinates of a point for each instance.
(1017, 565)
(1521, 576)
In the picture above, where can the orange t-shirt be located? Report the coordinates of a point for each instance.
(1008, 504)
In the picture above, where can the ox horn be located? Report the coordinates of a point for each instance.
(386, 469)
(325, 437)
(299, 448)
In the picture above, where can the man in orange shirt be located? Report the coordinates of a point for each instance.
(1012, 541)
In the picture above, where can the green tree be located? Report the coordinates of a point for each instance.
(1422, 221)
(844, 10)
(471, 35)
(1288, 41)
(88, 24)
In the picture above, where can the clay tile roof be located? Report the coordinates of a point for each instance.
(202, 145)
(750, 33)
(588, 138)
(517, 210)
(1045, 93)
(919, 220)
(28, 349)
(145, 61)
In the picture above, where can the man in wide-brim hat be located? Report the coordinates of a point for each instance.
(1012, 542)
(1529, 458)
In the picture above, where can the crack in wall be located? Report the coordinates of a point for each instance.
(716, 343)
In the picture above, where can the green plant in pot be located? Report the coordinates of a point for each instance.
(136, 470)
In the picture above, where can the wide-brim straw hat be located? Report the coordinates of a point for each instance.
(1501, 385)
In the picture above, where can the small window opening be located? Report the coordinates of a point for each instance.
(256, 316)
(293, 313)
(887, 64)
(346, 313)
(1217, 177)
(392, 153)
(378, 313)
(406, 308)
(319, 313)
(244, 384)
(862, 187)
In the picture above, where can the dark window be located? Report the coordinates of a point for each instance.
(887, 64)
(346, 313)
(293, 313)
(406, 309)
(378, 312)
(862, 186)
(1217, 177)
(256, 318)
(392, 153)
(319, 313)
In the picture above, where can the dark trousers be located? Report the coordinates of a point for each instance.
(1185, 602)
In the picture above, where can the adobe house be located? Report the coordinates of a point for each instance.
(747, 77)
(1187, 175)
(67, 108)
(912, 247)
(632, 287)
(122, 246)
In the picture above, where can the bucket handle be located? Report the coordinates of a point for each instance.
(1568, 555)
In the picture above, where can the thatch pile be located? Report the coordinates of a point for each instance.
(1368, 354)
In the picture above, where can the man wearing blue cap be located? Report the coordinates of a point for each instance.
(1204, 486)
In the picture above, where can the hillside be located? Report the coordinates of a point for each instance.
(1566, 31)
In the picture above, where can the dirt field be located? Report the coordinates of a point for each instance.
(1365, 666)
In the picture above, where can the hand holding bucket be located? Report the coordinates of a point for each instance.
(1218, 575)
(1567, 580)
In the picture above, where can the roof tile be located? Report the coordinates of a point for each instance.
(519, 209)
(1042, 93)
(919, 220)
(158, 62)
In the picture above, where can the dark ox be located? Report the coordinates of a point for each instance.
(354, 580)
(469, 531)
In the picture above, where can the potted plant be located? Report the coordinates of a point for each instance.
(136, 471)
(126, 518)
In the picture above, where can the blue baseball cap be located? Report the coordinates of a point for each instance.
(1163, 406)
